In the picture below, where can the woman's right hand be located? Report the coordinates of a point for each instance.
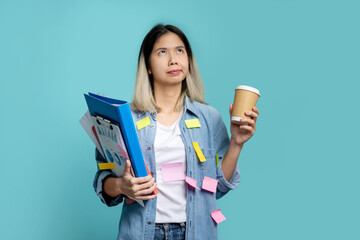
(131, 186)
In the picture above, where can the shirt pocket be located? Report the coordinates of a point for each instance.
(208, 168)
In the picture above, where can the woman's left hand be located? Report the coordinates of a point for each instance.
(242, 133)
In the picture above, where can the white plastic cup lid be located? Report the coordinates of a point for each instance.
(248, 88)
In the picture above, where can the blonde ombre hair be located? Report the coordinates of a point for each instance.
(192, 85)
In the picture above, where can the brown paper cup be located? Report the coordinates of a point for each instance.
(245, 99)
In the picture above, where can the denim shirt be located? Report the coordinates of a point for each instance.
(138, 222)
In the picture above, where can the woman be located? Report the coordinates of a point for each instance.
(169, 90)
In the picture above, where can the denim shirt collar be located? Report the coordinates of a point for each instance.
(188, 106)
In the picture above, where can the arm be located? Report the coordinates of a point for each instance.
(239, 135)
(111, 190)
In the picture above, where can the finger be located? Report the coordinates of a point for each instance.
(127, 170)
(147, 197)
(251, 114)
(230, 108)
(146, 191)
(247, 128)
(250, 122)
(146, 185)
(256, 110)
(140, 180)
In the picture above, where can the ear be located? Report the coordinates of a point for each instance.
(149, 71)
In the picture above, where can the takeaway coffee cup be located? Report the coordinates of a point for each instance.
(245, 99)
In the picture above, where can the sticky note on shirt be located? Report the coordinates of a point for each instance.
(192, 182)
(192, 123)
(199, 152)
(217, 159)
(143, 123)
(218, 216)
(172, 172)
(209, 184)
(105, 166)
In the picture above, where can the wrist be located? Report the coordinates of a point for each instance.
(235, 144)
(118, 186)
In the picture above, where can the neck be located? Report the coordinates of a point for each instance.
(166, 97)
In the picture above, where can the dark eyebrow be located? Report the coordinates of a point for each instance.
(177, 47)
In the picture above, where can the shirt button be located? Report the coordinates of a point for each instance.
(149, 223)
(148, 148)
(152, 125)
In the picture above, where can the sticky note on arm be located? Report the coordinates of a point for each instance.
(105, 166)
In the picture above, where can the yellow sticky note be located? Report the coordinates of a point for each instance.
(104, 166)
(192, 123)
(143, 123)
(217, 159)
(199, 152)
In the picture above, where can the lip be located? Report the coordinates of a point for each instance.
(174, 72)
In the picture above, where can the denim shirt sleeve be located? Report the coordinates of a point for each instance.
(100, 176)
(222, 142)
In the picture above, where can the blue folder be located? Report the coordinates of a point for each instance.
(119, 111)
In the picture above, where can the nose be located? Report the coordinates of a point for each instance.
(172, 59)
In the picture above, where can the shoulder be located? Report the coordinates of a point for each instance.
(207, 112)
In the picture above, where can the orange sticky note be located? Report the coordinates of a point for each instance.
(104, 166)
(143, 123)
(199, 152)
(218, 216)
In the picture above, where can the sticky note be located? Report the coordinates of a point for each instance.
(104, 166)
(217, 159)
(172, 172)
(122, 151)
(143, 123)
(209, 184)
(218, 216)
(192, 123)
(192, 182)
(199, 152)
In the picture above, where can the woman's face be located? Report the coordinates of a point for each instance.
(169, 63)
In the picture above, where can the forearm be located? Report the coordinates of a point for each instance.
(112, 186)
(230, 159)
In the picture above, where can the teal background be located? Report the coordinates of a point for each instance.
(300, 175)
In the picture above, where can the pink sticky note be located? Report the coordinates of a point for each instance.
(209, 184)
(172, 172)
(218, 216)
(123, 153)
(192, 182)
